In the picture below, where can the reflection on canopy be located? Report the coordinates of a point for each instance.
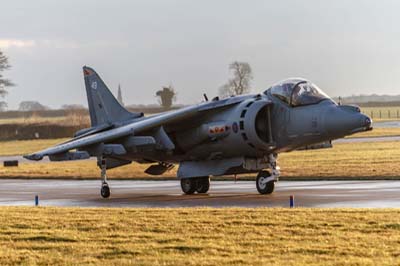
(298, 92)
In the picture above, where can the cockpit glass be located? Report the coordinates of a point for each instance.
(307, 93)
(298, 92)
(283, 91)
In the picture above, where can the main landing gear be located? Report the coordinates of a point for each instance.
(265, 181)
(200, 185)
(105, 189)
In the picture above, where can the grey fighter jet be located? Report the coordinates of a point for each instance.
(236, 135)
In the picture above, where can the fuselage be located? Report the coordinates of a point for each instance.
(258, 125)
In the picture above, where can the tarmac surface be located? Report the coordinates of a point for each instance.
(387, 124)
(85, 193)
(367, 139)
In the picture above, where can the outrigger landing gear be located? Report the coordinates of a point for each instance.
(105, 189)
(196, 184)
(265, 180)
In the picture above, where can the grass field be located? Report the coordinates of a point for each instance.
(343, 161)
(197, 236)
(20, 147)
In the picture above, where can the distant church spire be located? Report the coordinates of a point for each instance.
(119, 98)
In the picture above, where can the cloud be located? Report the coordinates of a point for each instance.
(8, 43)
(60, 44)
(73, 44)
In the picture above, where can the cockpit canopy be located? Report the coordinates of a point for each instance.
(298, 92)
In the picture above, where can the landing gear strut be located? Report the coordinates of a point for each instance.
(105, 189)
(265, 180)
(200, 185)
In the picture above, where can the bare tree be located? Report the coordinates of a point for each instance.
(3, 106)
(31, 106)
(167, 96)
(240, 83)
(4, 83)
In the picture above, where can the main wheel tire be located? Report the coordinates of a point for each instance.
(105, 191)
(203, 184)
(264, 188)
(188, 185)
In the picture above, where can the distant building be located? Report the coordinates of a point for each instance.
(119, 98)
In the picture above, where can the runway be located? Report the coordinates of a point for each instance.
(85, 193)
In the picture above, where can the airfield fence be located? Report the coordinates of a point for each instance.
(382, 113)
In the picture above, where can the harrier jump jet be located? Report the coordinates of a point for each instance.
(236, 135)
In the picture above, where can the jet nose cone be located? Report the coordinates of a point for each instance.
(367, 122)
(356, 122)
(346, 120)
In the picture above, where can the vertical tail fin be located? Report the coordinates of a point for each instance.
(103, 107)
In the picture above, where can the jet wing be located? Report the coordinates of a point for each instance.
(135, 127)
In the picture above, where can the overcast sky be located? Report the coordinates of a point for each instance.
(345, 47)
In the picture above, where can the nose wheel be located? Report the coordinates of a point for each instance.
(265, 181)
(105, 189)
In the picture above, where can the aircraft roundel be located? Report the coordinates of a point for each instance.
(235, 127)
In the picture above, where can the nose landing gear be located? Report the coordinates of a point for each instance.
(265, 181)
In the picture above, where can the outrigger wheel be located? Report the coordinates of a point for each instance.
(265, 183)
(105, 190)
